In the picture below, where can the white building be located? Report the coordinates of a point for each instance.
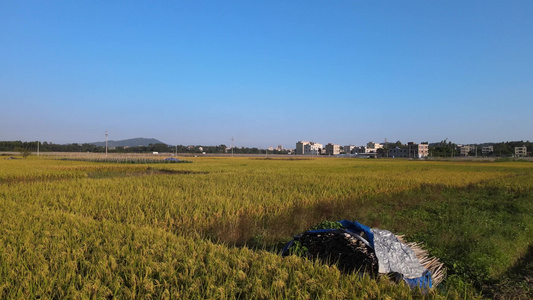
(372, 147)
(313, 149)
(520, 151)
(465, 149)
(308, 148)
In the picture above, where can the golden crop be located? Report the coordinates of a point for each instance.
(80, 229)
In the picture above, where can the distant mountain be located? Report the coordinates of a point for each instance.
(128, 143)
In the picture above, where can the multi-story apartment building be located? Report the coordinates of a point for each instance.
(372, 147)
(520, 151)
(332, 149)
(349, 149)
(487, 150)
(313, 149)
(300, 147)
(417, 150)
(359, 150)
(412, 150)
(308, 148)
(398, 152)
(465, 149)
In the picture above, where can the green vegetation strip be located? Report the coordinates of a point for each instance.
(128, 160)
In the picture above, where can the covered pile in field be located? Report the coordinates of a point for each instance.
(355, 247)
(171, 159)
(348, 250)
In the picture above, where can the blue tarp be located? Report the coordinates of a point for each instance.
(172, 159)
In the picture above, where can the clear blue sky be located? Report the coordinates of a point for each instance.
(266, 72)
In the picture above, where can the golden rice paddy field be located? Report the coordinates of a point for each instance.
(211, 229)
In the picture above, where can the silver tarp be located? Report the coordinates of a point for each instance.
(395, 256)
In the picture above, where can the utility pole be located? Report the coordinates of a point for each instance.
(386, 147)
(232, 146)
(38, 149)
(453, 150)
(106, 143)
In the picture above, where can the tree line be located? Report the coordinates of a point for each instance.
(158, 147)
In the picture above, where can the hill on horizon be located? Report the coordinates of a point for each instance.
(135, 142)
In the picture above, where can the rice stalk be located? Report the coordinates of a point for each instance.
(437, 269)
